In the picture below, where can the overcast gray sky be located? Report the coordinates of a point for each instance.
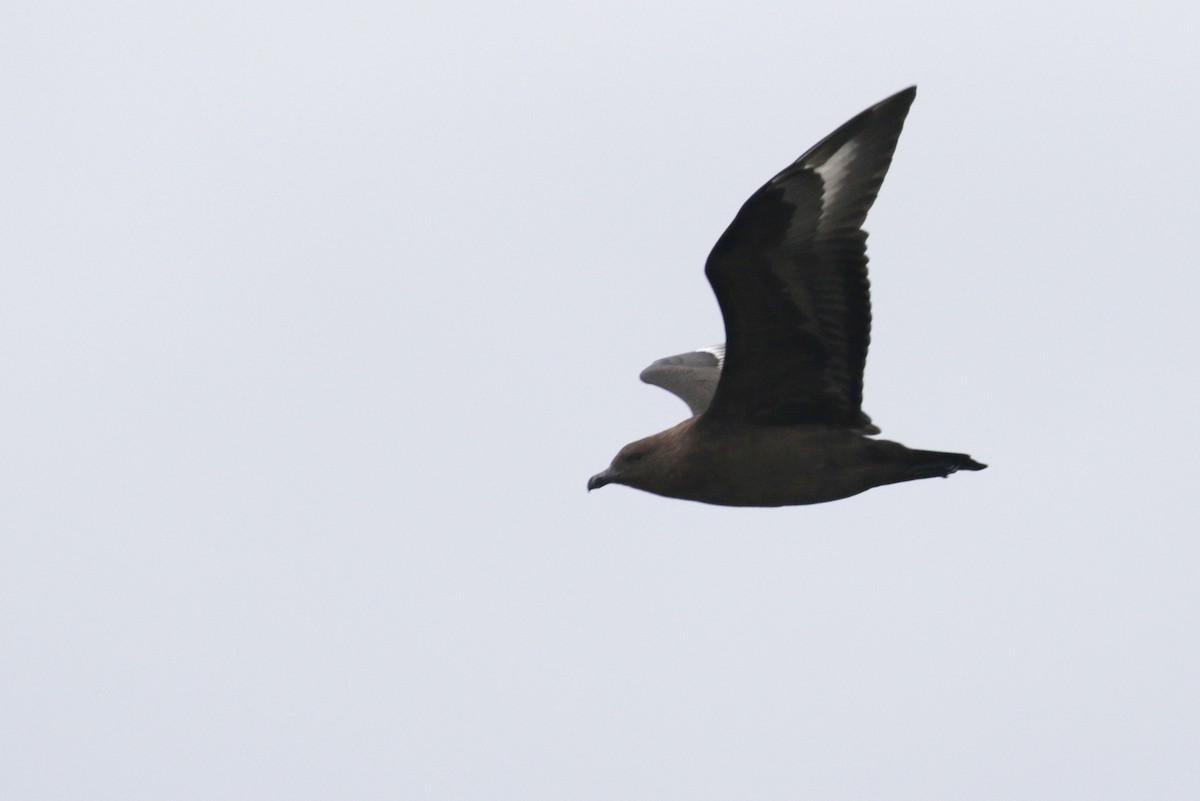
(316, 319)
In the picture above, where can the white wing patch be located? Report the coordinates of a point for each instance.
(833, 174)
(715, 350)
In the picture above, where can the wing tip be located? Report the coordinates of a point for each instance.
(900, 101)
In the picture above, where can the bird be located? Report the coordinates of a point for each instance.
(777, 414)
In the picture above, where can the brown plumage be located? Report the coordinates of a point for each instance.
(784, 424)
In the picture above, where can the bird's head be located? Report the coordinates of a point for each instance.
(645, 464)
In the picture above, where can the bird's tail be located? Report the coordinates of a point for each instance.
(932, 464)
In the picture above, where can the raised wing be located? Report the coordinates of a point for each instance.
(692, 376)
(790, 275)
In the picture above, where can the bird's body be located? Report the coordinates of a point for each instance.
(778, 417)
(752, 465)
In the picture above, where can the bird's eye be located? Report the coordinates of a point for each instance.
(636, 456)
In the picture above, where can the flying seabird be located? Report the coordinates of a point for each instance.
(777, 410)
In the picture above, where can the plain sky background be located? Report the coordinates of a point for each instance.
(315, 320)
